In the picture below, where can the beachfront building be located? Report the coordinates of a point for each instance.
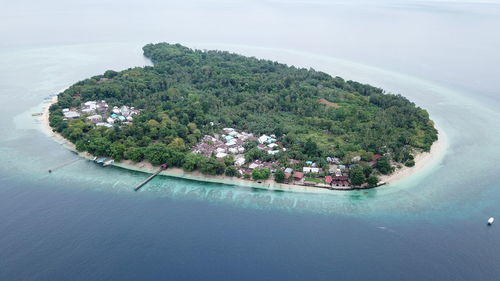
(298, 176)
(328, 180)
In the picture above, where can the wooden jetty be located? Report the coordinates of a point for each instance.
(64, 165)
(162, 167)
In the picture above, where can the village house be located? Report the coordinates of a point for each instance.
(88, 111)
(95, 118)
(340, 181)
(298, 176)
(333, 160)
(221, 155)
(253, 166)
(263, 139)
(239, 161)
(311, 170)
(356, 159)
(69, 114)
(90, 105)
(102, 124)
(328, 180)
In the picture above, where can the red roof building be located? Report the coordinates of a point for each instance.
(340, 178)
(328, 179)
(298, 175)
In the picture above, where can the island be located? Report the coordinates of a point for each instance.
(225, 117)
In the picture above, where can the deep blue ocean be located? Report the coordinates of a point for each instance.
(85, 222)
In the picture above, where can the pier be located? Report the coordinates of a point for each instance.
(163, 167)
(64, 165)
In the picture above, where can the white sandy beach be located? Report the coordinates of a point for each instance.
(421, 161)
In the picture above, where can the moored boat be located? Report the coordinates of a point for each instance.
(101, 160)
(109, 162)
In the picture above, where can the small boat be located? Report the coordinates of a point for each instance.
(491, 220)
(101, 160)
(109, 162)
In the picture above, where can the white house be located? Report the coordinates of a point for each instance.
(239, 161)
(102, 124)
(253, 166)
(272, 145)
(221, 155)
(71, 114)
(88, 110)
(310, 170)
(263, 138)
(95, 118)
(90, 104)
(356, 159)
(124, 110)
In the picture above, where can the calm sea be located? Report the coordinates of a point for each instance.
(84, 222)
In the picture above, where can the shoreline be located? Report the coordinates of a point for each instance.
(421, 161)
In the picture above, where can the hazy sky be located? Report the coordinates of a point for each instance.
(456, 39)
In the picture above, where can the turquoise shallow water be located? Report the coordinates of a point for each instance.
(84, 222)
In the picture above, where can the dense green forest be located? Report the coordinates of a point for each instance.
(312, 113)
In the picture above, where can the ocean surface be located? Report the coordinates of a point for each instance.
(85, 222)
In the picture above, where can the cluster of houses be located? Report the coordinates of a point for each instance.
(335, 178)
(271, 165)
(231, 142)
(269, 144)
(98, 113)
